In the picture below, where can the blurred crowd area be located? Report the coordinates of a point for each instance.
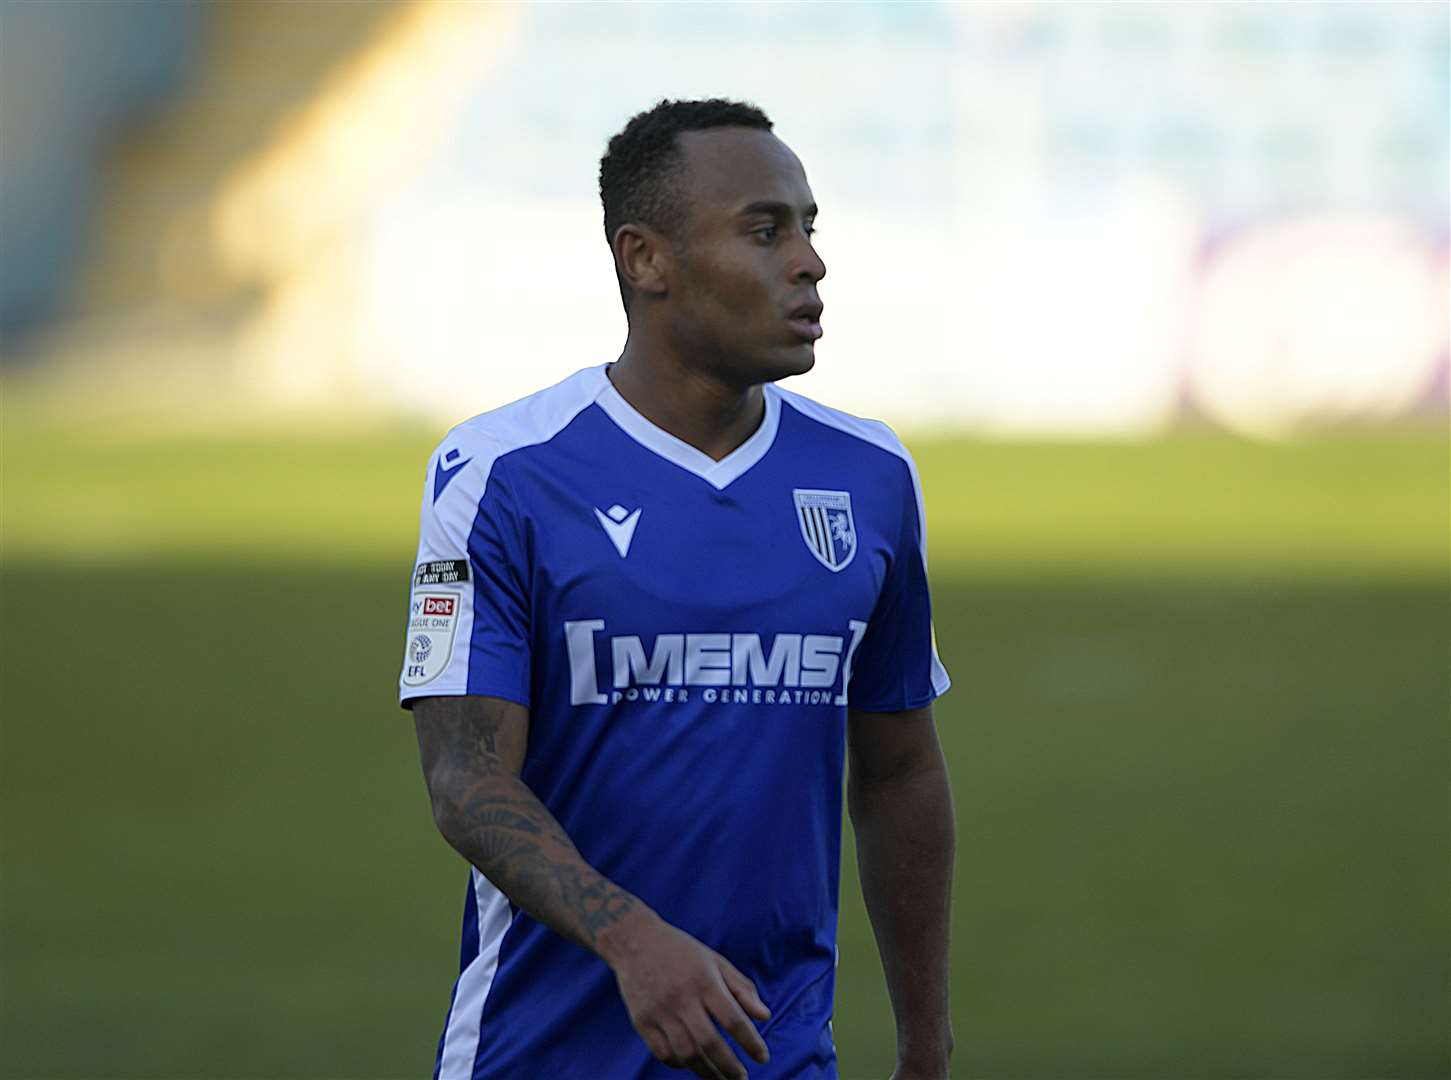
(1039, 218)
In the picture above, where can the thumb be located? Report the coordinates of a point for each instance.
(743, 990)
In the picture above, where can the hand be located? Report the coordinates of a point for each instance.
(677, 990)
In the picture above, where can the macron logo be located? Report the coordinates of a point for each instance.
(442, 476)
(619, 525)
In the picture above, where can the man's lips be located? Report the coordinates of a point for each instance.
(806, 321)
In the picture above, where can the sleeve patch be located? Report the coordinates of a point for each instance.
(432, 619)
(433, 616)
(441, 572)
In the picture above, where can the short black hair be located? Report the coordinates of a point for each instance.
(641, 163)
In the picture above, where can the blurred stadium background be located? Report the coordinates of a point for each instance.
(1157, 293)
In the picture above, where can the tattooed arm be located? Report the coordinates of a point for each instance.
(472, 751)
(672, 985)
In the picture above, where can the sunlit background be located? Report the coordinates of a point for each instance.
(1156, 292)
(1039, 218)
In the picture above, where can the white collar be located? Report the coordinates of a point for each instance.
(716, 473)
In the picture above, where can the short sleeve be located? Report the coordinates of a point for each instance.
(896, 666)
(468, 607)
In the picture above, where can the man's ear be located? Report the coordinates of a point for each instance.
(642, 258)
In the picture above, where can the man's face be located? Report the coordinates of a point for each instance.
(742, 294)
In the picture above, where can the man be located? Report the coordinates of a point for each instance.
(653, 606)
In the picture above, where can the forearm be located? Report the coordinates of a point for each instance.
(674, 989)
(496, 822)
(905, 836)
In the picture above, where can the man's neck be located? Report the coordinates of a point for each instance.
(697, 409)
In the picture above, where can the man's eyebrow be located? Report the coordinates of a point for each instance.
(776, 209)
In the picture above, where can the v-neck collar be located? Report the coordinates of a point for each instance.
(718, 474)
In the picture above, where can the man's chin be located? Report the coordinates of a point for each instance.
(794, 360)
(768, 365)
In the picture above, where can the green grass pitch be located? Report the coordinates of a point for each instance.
(1198, 736)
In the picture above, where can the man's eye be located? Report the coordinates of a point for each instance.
(767, 232)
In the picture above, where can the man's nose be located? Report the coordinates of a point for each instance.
(811, 267)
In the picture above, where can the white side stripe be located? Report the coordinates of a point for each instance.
(461, 1038)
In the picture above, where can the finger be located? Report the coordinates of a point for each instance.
(726, 1012)
(712, 1049)
(743, 989)
(683, 1051)
(679, 1044)
(659, 1045)
(702, 1066)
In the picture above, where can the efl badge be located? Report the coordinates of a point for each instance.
(826, 525)
(433, 615)
(431, 623)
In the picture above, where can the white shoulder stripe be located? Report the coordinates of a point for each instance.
(880, 435)
(481, 440)
(540, 416)
(872, 431)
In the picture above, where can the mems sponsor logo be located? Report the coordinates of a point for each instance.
(745, 669)
(438, 605)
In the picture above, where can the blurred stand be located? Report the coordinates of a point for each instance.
(221, 233)
(1040, 219)
(72, 77)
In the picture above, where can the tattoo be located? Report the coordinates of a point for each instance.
(597, 903)
(491, 817)
(513, 838)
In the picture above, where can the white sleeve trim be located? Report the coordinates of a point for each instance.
(880, 435)
(436, 659)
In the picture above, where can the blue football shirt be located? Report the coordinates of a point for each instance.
(687, 634)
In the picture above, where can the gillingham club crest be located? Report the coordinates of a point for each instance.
(826, 525)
